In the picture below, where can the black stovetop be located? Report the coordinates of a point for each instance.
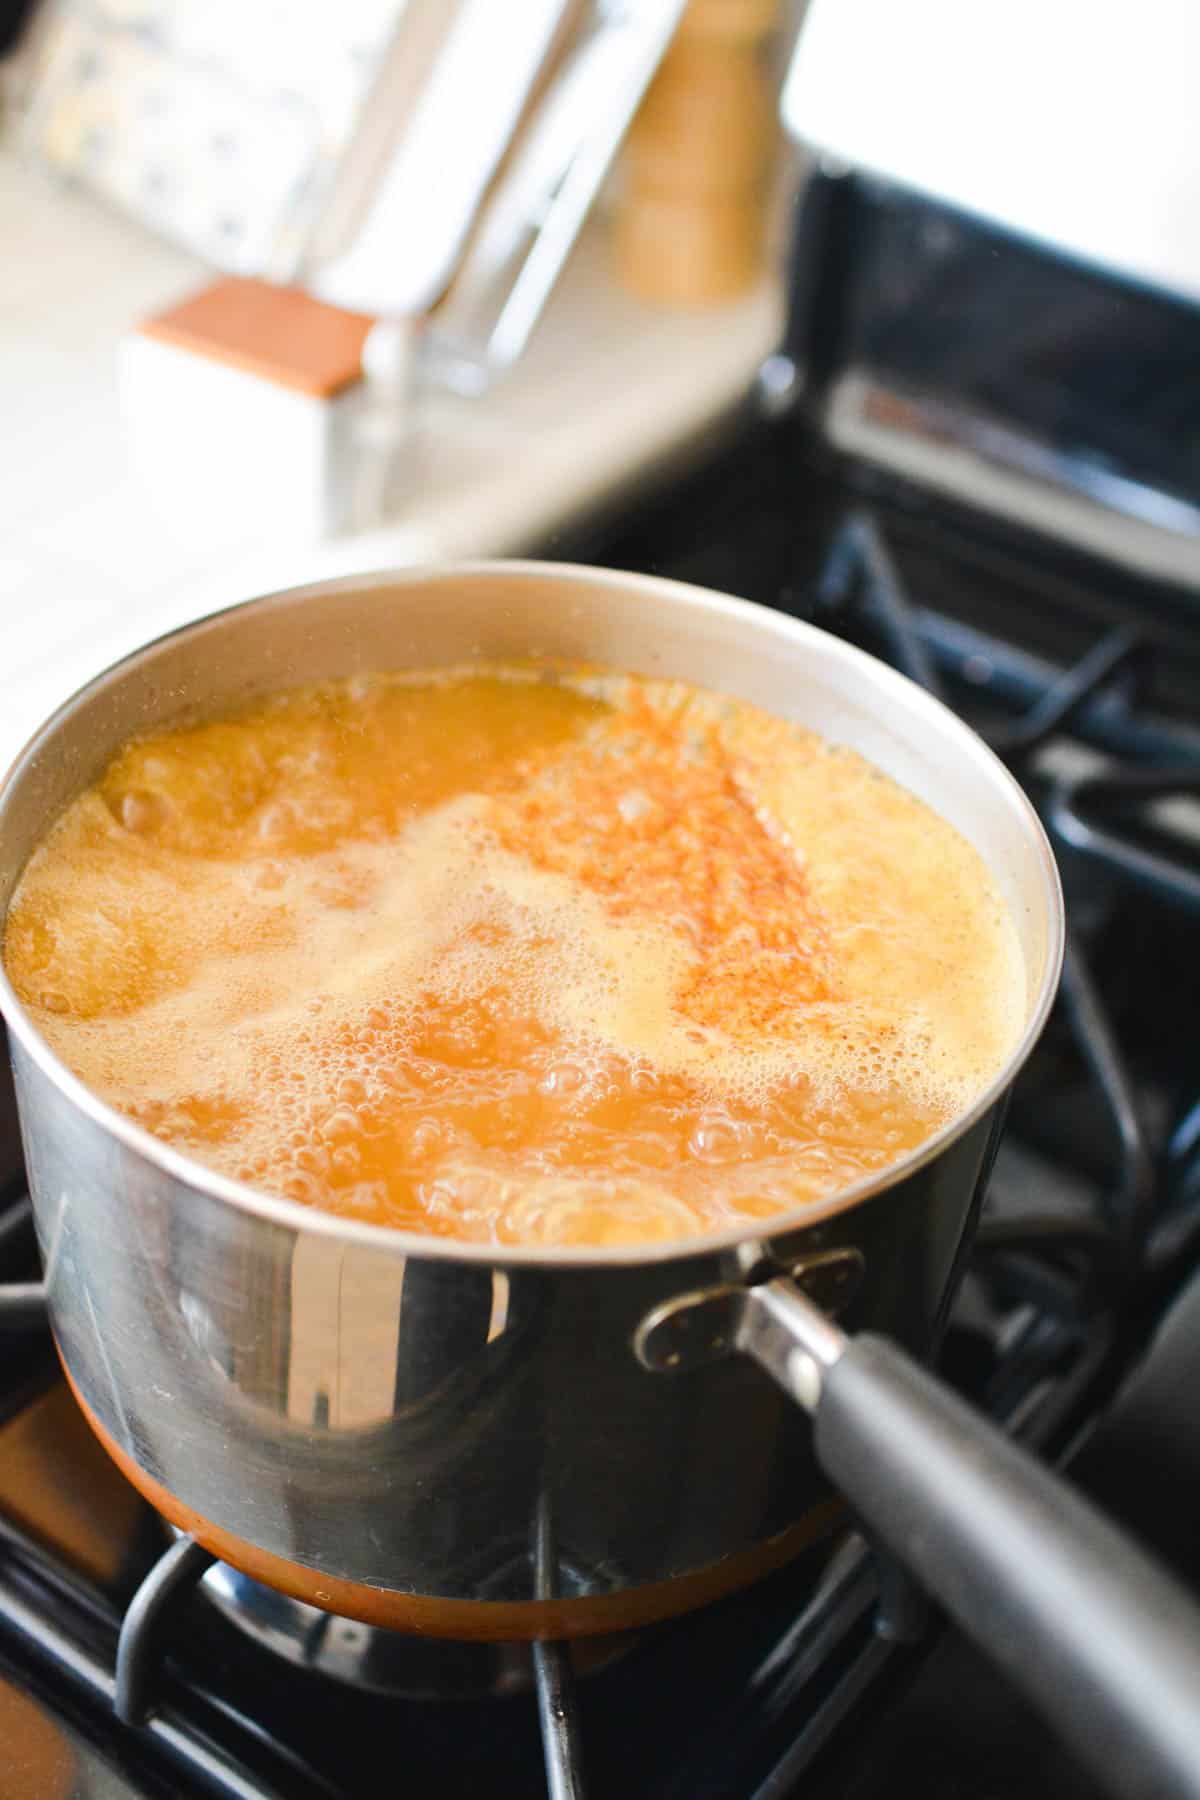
(1073, 1326)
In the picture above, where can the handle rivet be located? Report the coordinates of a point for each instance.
(701, 1327)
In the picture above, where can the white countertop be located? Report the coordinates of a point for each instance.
(607, 390)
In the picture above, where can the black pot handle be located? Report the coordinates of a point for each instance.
(1105, 1645)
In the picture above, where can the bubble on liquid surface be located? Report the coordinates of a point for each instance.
(590, 961)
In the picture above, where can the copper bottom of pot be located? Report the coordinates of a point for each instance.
(495, 1621)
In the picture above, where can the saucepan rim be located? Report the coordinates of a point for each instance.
(292, 1215)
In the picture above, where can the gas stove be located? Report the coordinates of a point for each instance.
(131, 1665)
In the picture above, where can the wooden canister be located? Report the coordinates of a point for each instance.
(691, 217)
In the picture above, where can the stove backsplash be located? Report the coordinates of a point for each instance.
(982, 363)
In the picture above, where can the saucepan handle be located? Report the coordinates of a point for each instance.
(1097, 1636)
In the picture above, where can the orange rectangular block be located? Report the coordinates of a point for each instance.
(280, 334)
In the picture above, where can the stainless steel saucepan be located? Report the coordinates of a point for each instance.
(389, 1426)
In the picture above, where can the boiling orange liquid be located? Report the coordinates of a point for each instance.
(518, 956)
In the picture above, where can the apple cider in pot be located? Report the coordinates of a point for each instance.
(518, 956)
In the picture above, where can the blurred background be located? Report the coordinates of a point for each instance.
(294, 287)
(288, 289)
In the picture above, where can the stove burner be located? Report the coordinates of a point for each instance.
(360, 1656)
(1087, 813)
(386, 1662)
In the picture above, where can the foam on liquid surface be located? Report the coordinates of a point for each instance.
(517, 958)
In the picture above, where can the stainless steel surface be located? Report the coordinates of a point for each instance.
(556, 1715)
(775, 1322)
(1054, 487)
(379, 1408)
(789, 1338)
(699, 1328)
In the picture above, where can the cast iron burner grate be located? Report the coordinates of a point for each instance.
(1036, 1334)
